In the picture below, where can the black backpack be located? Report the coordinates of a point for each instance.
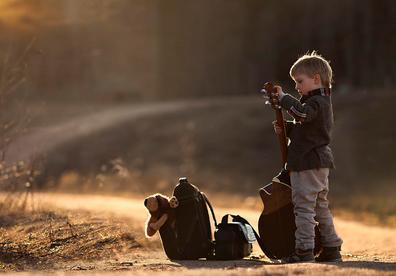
(192, 238)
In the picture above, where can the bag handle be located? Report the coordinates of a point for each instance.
(238, 218)
(211, 208)
(224, 220)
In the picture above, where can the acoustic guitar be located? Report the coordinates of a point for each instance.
(277, 222)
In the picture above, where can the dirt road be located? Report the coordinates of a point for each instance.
(366, 249)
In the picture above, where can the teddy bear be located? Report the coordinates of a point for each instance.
(162, 210)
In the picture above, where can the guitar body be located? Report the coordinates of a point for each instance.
(277, 221)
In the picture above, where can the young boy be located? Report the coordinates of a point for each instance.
(310, 157)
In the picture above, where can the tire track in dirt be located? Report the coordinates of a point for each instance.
(43, 139)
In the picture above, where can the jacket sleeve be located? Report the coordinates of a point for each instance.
(301, 112)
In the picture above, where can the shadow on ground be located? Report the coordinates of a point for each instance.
(371, 265)
(374, 265)
(216, 264)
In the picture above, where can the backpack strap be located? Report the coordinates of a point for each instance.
(238, 218)
(210, 208)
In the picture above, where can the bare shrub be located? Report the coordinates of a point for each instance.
(17, 178)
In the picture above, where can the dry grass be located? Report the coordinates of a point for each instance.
(46, 239)
(17, 187)
(371, 209)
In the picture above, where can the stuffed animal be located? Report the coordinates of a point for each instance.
(162, 210)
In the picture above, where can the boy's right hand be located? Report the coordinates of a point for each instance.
(277, 127)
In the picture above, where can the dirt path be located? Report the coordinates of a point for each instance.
(366, 249)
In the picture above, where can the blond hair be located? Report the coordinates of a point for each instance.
(311, 64)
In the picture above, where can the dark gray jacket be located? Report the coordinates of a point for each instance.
(310, 132)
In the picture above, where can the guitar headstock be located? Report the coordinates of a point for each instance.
(270, 95)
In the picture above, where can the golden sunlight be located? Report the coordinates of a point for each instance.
(30, 15)
(25, 15)
(11, 12)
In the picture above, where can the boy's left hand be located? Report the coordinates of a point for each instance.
(279, 92)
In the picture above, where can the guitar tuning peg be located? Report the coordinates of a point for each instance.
(267, 102)
(263, 91)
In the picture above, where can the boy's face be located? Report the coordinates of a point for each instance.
(305, 83)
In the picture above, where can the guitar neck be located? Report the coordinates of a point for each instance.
(270, 92)
(282, 136)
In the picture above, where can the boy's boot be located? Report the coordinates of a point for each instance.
(300, 256)
(330, 254)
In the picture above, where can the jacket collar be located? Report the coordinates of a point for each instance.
(320, 91)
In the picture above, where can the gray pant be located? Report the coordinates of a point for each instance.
(309, 195)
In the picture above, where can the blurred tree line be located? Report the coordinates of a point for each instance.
(234, 46)
(150, 49)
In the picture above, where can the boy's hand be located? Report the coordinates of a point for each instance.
(279, 92)
(277, 128)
